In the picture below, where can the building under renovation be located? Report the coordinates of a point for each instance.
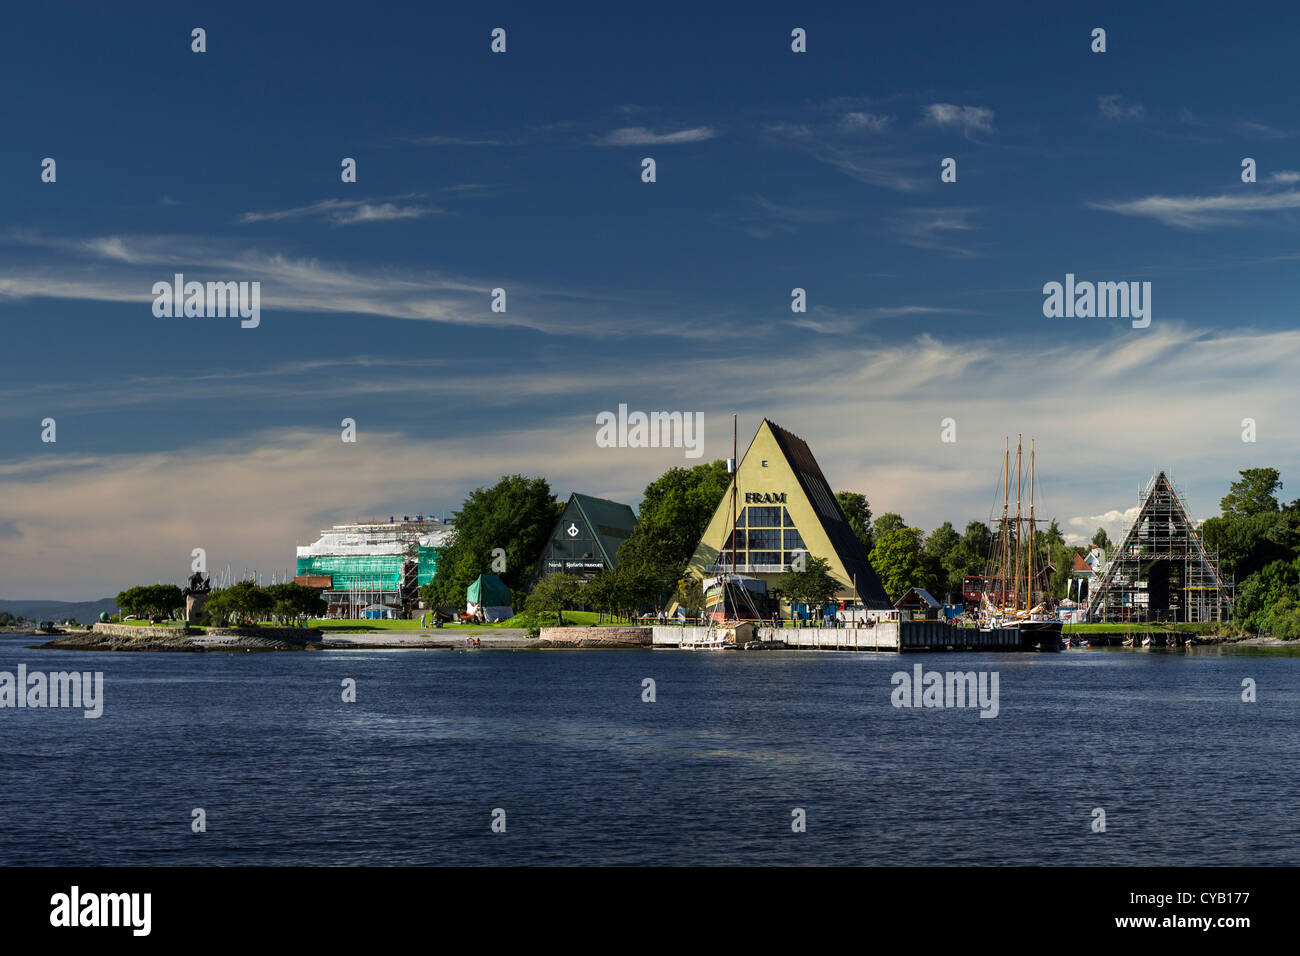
(1161, 570)
(363, 567)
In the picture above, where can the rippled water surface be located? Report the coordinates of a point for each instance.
(590, 774)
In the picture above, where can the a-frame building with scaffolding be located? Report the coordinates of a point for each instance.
(1162, 570)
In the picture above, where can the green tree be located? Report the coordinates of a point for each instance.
(1263, 592)
(674, 512)
(889, 521)
(517, 515)
(1282, 620)
(1102, 540)
(1255, 492)
(897, 558)
(639, 587)
(943, 562)
(1245, 544)
(813, 585)
(295, 603)
(975, 544)
(601, 592)
(555, 592)
(241, 603)
(151, 600)
(130, 601)
(1051, 544)
(689, 594)
(858, 513)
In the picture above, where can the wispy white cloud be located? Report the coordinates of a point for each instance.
(1234, 126)
(1285, 176)
(1264, 130)
(761, 218)
(864, 413)
(1113, 107)
(124, 268)
(347, 212)
(794, 213)
(937, 229)
(642, 136)
(968, 119)
(856, 121)
(869, 163)
(440, 140)
(829, 321)
(1200, 212)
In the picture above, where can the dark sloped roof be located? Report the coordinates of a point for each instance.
(846, 544)
(925, 596)
(610, 522)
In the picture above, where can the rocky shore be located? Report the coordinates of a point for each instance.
(596, 637)
(121, 637)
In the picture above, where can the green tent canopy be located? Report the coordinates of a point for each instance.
(488, 590)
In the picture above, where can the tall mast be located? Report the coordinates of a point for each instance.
(1020, 484)
(1004, 541)
(735, 477)
(1029, 590)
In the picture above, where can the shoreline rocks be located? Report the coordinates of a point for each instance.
(613, 636)
(122, 637)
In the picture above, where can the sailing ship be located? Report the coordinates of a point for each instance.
(1018, 597)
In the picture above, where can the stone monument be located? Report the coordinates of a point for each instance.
(196, 595)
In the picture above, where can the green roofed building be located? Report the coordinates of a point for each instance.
(587, 537)
(374, 562)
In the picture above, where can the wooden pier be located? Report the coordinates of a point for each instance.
(883, 636)
(942, 636)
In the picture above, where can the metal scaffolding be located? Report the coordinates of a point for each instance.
(1162, 570)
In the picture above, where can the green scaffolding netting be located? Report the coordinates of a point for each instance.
(352, 573)
(382, 572)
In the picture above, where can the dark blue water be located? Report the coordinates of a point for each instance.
(589, 774)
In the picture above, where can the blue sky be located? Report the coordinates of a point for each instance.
(521, 170)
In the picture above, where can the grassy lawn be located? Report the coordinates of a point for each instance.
(1154, 628)
(366, 624)
(590, 618)
(578, 618)
(397, 624)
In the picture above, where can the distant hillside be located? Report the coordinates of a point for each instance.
(83, 612)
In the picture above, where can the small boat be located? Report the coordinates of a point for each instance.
(706, 645)
(1146, 641)
(719, 638)
(1085, 643)
(1128, 642)
(1066, 642)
